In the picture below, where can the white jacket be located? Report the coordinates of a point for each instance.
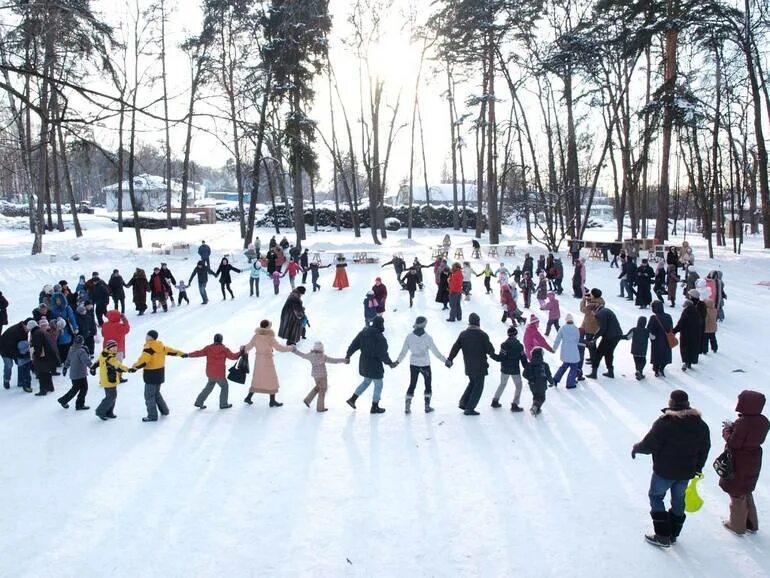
(420, 346)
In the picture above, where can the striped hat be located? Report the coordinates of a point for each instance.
(110, 343)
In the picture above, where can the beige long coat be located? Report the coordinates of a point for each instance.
(264, 379)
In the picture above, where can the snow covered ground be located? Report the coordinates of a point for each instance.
(253, 491)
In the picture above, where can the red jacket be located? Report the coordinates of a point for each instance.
(116, 327)
(216, 354)
(293, 268)
(456, 282)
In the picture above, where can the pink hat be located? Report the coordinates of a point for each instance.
(533, 319)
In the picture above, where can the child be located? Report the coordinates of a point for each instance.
(77, 363)
(216, 354)
(292, 268)
(318, 361)
(276, 277)
(672, 279)
(488, 274)
(255, 273)
(533, 338)
(182, 288)
(370, 308)
(116, 328)
(24, 365)
(511, 356)
(110, 369)
(538, 375)
(517, 275)
(554, 314)
(502, 274)
(640, 337)
(315, 274)
(527, 287)
(710, 328)
(542, 288)
(468, 272)
(511, 310)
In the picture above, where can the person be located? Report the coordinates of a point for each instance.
(139, 288)
(468, 274)
(488, 274)
(77, 363)
(318, 360)
(44, 355)
(153, 363)
(690, 279)
(679, 443)
(528, 265)
(340, 277)
(110, 371)
(168, 281)
(568, 342)
(116, 328)
(272, 244)
(558, 279)
(744, 438)
(370, 308)
(270, 259)
(292, 269)
(117, 289)
(644, 278)
(3, 311)
(410, 284)
(455, 292)
(442, 291)
(373, 346)
(658, 326)
(672, 258)
(42, 312)
(182, 296)
(538, 375)
(250, 253)
(99, 295)
(640, 337)
(475, 345)
(292, 314)
(204, 252)
(502, 274)
(223, 272)
(689, 328)
(84, 314)
(542, 288)
(719, 291)
(510, 307)
(255, 273)
(615, 252)
(315, 274)
(202, 271)
(686, 258)
(276, 277)
(672, 280)
(381, 293)
(511, 357)
(11, 353)
(533, 338)
(216, 355)
(304, 263)
(284, 244)
(659, 285)
(554, 314)
(610, 334)
(527, 287)
(626, 282)
(398, 264)
(264, 379)
(420, 345)
(158, 291)
(710, 328)
(574, 250)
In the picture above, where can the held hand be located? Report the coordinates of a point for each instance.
(185, 356)
(132, 370)
(633, 453)
(347, 361)
(448, 363)
(92, 371)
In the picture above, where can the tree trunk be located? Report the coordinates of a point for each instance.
(493, 217)
(257, 163)
(453, 141)
(68, 182)
(167, 168)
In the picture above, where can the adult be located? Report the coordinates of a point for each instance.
(204, 252)
(3, 311)
(42, 312)
(659, 286)
(117, 290)
(528, 265)
(84, 314)
(304, 262)
(719, 285)
(744, 438)
(153, 363)
(574, 250)
(679, 444)
(568, 339)
(672, 258)
(442, 291)
(139, 287)
(99, 294)
(420, 345)
(615, 252)
(216, 355)
(157, 291)
(10, 342)
(45, 357)
(294, 253)
(578, 277)
(272, 244)
(686, 257)
(659, 326)
(373, 346)
(284, 244)
(340, 276)
(225, 279)
(399, 265)
(627, 278)
(411, 282)
(610, 334)
(644, 278)
(690, 330)
(558, 276)
(270, 258)
(202, 271)
(455, 293)
(169, 281)
(476, 346)
(292, 317)
(264, 379)
(255, 272)
(381, 293)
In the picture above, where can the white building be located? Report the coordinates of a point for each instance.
(150, 193)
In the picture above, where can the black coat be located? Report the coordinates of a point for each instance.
(99, 293)
(609, 328)
(538, 376)
(690, 329)
(374, 350)
(10, 338)
(639, 337)
(167, 275)
(660, 352)
(511, 356)
(202, 272)
(291, 319)
(3, 310)
(116, 285)
(442, 294)
(475, 346)
(527, 265)
(679, 443)
(223, 272)
(86, 323)
(140, 287)
(644, 277)
(46, 355)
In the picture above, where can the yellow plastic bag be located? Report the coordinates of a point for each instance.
(692, 500)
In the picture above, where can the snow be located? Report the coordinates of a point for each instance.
(254, 491)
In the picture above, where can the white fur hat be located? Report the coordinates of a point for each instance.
(318, 346)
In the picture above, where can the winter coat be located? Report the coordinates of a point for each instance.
(569, 339)
(411, 280)
(10, 338)
(552, 306)
(202, 272)
(475, 346)
(690, 329)
(542, 289)
(690, 279)
(672, 280)
(538, 374)
(157, 287)
(609, 328)
(644, 277)
(657, 326)
(223, 272)
(679, 443)
(204, 251)
(78, 361)
(292, 314)
(374, 350)
(140, 288)
(640, 337)
(456, 282)
(292, 268)
(745, 438)
(153, 361)
(590, 325)
(420, 345)
(256, 270)
(577, 280)
(216, 355)
(116, 285)
(86, 323)
(370, 307)
(508, 300)
(45, 356)
(659, 286)
(527, 266)
(99, 293)
(533, 338)
(381, 293)
(340, 276)
(512, 356)
(442, 294)
(265, 379)
(110, 369)
(304, 261)
(58, 305)
(116, 328)
(3, 310)
(711, 317)
(318, 361)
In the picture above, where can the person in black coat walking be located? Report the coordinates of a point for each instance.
(140, 286)
(116, 285)
(3, 311)
(511, 356)
(442, 293)
(679, 443)
(644, 278)
(99, 294)
(374, 353)
(610, 334)
(202, 271)
(640, 337)
(9, 350)
(169, 281)
(304, 262)
(223, 272)
(475, 346)
(292, 316)
(658, 326)
(45, 358)
(690, 330)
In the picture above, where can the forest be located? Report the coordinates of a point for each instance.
(661, 104)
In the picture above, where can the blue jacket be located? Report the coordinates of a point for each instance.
(569, 338)
(204, 251)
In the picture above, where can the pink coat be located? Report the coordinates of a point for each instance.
(264, 379)
(552, 306)
(533, 338)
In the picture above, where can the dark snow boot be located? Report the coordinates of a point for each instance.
(677, 522)
(496, 403)
(662, 527)
(273, 402)
(352, 401)
(609, 373)
(63, 403)
(515, 408)
(248, 398)
(408, 406)
(376, 408)
(428, 408)
(592, 375)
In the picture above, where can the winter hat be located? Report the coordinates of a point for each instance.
(57, 288)
(379, 324)
(301, 290)
(31, 324)
(420, 322)
(115, 271)
(63, 283)
(378, 279)
(43, 322)
(60, 323)
(370, 293)
(473, 319)
(694, 293)
(679, 400)
(79, 340)
(152, 334)
(218, 338)
(512, 332)
(551, 294)
(568, 318)
(318, 346)
(533, 320)
(265, 324)
(95, 274)
(110, 343)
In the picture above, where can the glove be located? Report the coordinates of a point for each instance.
(184, 356)
(448, 363)
(92, 371)
(633, 453)
(393, 365)
(132, 370)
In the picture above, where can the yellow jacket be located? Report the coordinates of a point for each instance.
(110, 369)
(153, 360)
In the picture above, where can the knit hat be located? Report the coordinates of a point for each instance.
(63, 283)
(79, 340)
(318, 346)
(110, 343)
(60, 323)
(31, 324)
(152, 333)
(95, 274)
(473, 319)
(533, 320)
(568, 318)
(420, 322)
(43, 322)
(370, 293)
(378, 279)
(694, 293)
(81, 309)
(218, 338)
(301, 290)
(512, 332)
(679, 400)
(596, 293)
(57, 288)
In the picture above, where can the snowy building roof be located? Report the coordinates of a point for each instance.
(146, 182)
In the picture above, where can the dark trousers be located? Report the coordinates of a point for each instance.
(46, 381)
(411, 297)
(79, 388)
(119, 301)
(253, 286)
(606, 350)
(710, 339)
(107, 405)
(414, 372)
(316, 286)
(229, 290)
(89, 343)
(101, 311)
(472, 394)
(304, 277)
(486, 284)
(154, 400)
(455, 308)
(551, 323)
(182, 297)
(640, 362)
